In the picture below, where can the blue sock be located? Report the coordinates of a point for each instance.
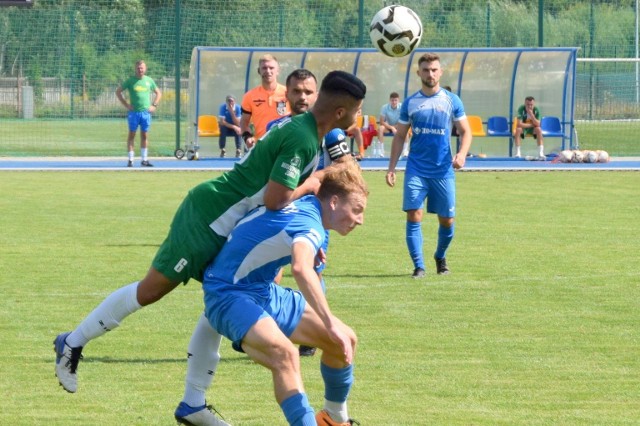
(297, 410)
(445, 235)
(414, 243)
(337, 382)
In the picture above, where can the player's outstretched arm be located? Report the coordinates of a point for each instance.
(302, 260)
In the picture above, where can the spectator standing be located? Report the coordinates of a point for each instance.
(263, 103)
(430, 168)
(140, 107)
(528, 123)
(229, 117)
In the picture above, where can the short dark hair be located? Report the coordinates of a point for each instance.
(300, 74)
(341, 82)
(428, 57)
(394, 95)
(529, 98)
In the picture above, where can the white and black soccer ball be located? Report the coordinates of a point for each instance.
(395, 30)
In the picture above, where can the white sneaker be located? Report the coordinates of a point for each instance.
(197, 416)
(67, 359)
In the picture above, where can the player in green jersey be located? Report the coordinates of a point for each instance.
(275, 172)
(140, 87)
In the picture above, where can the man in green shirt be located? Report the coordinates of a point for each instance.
(273, 173)
(528, 123)
(140, 107)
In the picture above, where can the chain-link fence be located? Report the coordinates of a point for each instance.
(61, 60)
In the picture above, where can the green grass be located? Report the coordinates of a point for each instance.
(82, 137)
(108, 138)
(537, 324)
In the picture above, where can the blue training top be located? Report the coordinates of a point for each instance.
(431, 120)
(223, 112)
(261, 242)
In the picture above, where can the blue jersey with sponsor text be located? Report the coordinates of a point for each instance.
(431, 119)
(261, 242)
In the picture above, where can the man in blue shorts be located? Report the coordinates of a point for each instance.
(273, 174)
(140, 107)
(429, 172)
(245, 304)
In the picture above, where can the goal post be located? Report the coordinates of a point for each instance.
(608, 104)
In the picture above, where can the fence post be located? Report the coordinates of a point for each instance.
(177, 75)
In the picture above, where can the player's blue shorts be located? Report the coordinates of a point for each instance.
(233, 309)
(139, 118)
(440, 195)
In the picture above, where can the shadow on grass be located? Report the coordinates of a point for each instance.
(372, 275)
(115, 360)
(131, 245)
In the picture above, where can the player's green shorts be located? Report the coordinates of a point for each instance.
(527, 132)
(189, 247)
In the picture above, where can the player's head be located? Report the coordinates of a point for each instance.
(429, 70)
(302, 90)
(340, 97)
(140, 68)
(343, 195)
(529, 101)
(268, 68)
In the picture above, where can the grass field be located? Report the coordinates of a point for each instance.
(537, 325)
(108, 138)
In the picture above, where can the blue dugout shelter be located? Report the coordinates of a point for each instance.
(491, 82)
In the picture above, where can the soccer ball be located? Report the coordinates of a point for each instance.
(591, 157)
(395, 30)
(566, 156)
(578, 156)
(603, 157)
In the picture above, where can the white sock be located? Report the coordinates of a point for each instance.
(106, 316)
(144, 153)
(131, 155)
(337, 411)
(517, 151)
(382, 149)
(541, 150)
(202, 362)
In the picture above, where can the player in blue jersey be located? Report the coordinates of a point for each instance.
(243, 302)
(429, 173)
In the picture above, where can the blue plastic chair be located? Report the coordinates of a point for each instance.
(551, 127)
(498, 126)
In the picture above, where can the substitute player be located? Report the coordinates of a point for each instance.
(140, 107)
